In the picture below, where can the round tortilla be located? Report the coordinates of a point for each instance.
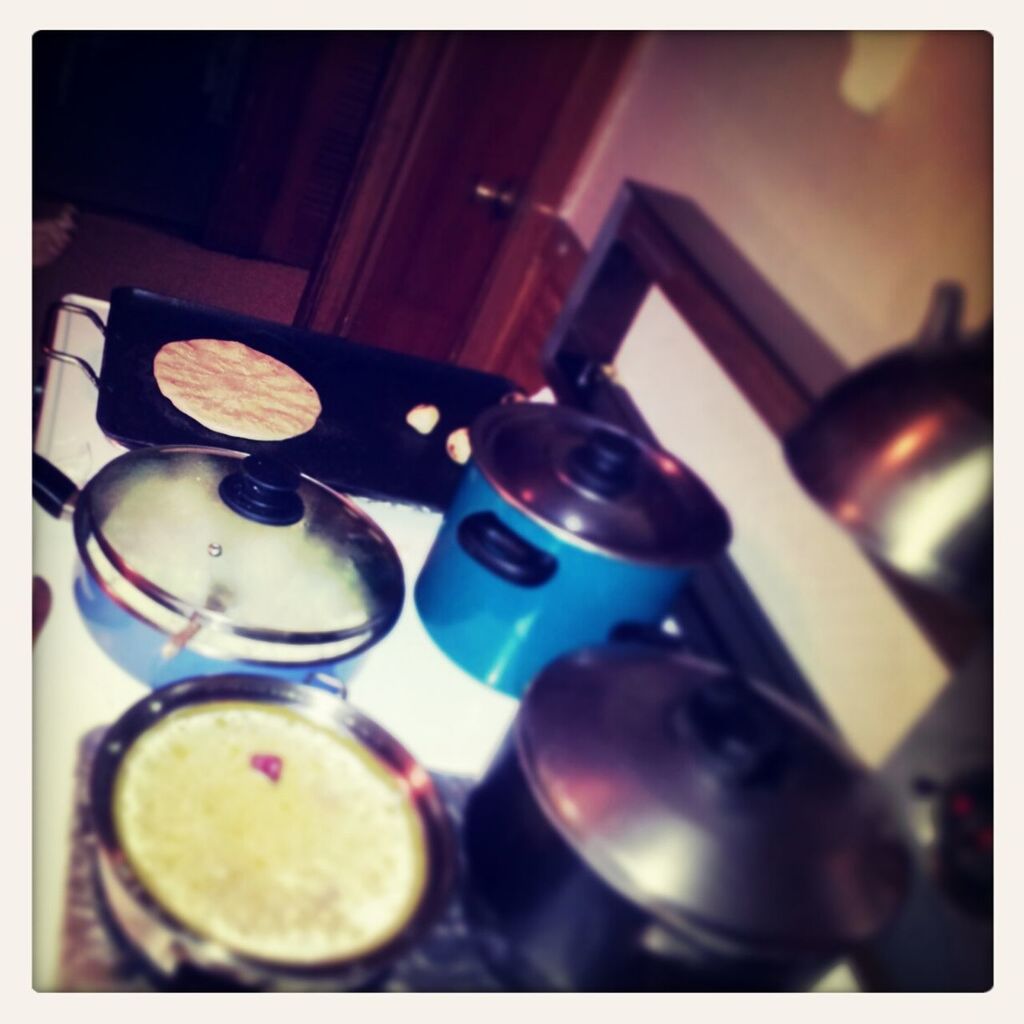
(236, 390)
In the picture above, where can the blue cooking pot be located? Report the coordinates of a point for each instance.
(563, 528)
(200, 561)
(152, 656)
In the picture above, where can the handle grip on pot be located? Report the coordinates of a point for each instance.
(264, 491)
(54, 491)
(328, 684)
(490, 543)
(741, 740)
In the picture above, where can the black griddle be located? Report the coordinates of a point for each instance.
(361, 443)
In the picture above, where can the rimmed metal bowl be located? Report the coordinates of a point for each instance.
(174, 949)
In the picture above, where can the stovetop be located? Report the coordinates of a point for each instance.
(448, 721)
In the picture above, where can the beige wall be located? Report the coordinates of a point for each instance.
(867, 661)
(853, 217)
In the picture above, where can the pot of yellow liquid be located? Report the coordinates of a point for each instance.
(262, 834)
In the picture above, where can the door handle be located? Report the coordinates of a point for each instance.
(500, 199)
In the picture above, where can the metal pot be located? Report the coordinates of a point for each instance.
(184, 955)
(563, 527)
(197, 561)
(657, 822)
(900, 454)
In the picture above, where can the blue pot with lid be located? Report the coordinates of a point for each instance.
(563, 528)
(199, 561)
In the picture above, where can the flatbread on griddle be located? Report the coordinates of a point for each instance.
(236, 390)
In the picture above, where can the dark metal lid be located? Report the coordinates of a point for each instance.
(241, 544)
(710, 800)
(598, 486)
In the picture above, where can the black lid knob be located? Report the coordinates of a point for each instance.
(739, 738)
(605, 464)
(265, 491)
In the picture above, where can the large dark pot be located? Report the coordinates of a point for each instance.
(655, 822)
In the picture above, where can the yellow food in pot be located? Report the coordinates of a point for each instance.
(280, 839)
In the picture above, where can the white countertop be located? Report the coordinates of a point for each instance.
(447, 720)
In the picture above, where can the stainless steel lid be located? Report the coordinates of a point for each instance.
(598, 486)
(240, 544)
(710, 801)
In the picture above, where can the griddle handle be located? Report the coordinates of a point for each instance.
(53, 491)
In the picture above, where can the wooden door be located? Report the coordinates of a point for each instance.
(465, 164)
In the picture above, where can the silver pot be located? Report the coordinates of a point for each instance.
(900, 454)
(657, 822)
(177, 951)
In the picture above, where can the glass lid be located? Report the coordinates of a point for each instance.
(243, 543)
(597, 485)
(710, 800)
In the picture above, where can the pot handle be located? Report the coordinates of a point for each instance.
(942, 321)
(328, 683)
(54, 491)
(490, 543)
(664, 944)
(691, 949)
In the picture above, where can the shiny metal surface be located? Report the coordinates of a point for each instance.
(168, 944)
(758, 828)
(655, 510)
(900, 454)
(152, 529)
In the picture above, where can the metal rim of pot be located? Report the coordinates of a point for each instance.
(214, 631)
(167, 943)
(597, 486)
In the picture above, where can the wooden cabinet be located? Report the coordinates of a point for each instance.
(306, 103)
(449, 218)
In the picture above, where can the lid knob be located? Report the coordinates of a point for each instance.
(605, 464)
(265, 491)
(740, 741)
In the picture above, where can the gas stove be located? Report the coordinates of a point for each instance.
(448, 721)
